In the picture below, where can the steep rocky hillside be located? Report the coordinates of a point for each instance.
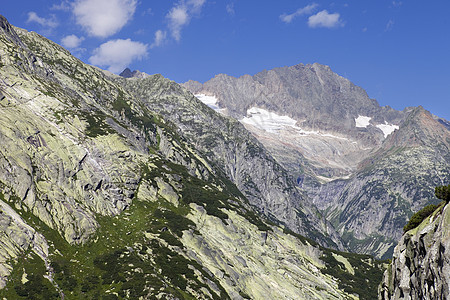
(420, 268)
(368, 168)
(240, 156)
(104, 196)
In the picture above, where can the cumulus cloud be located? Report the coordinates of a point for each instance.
(180, 15)
(71, 41)
(103, 18)
(325, 19)
(308, 9)
(160, 37)
(49, 23)
(116, 55)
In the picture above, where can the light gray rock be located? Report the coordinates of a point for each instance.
(420, 267)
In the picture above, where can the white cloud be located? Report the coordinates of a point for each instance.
(196, 5)
(116, 55)
(324, 19)
(103, 18)
(180, 16)
(48, 23)
(397, 3)
(160, 37)
(71, 41)
(63, 6)
(389, 25)
(300, 12)
(230, 9)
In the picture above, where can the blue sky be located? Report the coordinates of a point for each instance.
(398, 51)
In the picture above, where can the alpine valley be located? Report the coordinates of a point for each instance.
(366, 168)
(290, 184)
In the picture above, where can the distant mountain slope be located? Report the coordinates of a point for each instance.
(102, 197)
(368, 168)
(320, 102)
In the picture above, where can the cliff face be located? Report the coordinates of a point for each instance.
(420, 267)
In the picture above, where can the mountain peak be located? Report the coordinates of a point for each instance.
(8, 31)
(127, 73)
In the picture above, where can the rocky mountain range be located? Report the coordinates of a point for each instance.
(366, 167)
(115, 188)
(136, 187)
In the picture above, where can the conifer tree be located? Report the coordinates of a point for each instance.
(443, 192)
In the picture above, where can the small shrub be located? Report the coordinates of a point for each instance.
(419, 216)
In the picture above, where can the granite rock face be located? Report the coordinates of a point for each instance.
(420, 268)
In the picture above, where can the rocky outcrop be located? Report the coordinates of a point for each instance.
(420, 267)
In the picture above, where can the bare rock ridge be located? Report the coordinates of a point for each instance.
(420, 267)
(134, 189)
(367, 168)
(135, 74)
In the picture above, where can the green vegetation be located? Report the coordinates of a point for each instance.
(120, 262)
(36, 286)
(368, 272)
(419, 216)
(97, 125)
(146, 121)
(443, 192)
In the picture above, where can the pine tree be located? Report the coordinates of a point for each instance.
(443, 192)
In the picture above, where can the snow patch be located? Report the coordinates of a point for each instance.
(267, 121)
(387, 128)
(211, 101)
(273, 123)
(327, 179)
(362, 121)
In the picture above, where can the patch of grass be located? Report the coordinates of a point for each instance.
(36, 287)
(368, 272)
(97, 125)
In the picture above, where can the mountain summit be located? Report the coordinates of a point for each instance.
(367, 167)
(135, 74)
